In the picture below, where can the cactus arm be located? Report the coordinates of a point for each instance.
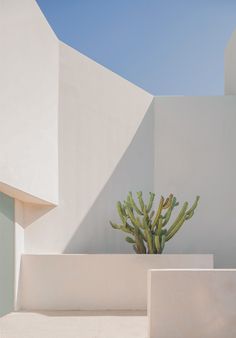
(130, 240)
(169, 212)
(140, 199)
(158, 214)
(146, 217)
(121, 212)
(168, 202)
(157, 243)
(151, 214)
(130, 214)
(159, 227)
(149, 241)
(175, 229)
(139, 223)
(163, 241)
(150, 202)
(148, 236)
(167, 215)
(136, 223)
(140, 232)
(114, 225)
(133, 204)
(185, 216)
(191, 210)
(126, 228)
(139, 242)
(178, 219)
(189, 215)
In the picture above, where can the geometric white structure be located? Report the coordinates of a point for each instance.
(94, 282)
(192, 303)
(75, 138)
(28, 104)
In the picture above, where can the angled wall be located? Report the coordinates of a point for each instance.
(28, 103)
(195, 155)
(104, 152)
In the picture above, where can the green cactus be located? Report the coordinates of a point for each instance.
(147, 230)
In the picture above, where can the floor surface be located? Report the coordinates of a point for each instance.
(74, 324)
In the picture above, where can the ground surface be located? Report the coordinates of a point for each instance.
(74, 324)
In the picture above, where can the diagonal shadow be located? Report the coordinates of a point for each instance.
(134, 172)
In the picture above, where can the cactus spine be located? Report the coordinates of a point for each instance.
(146, 228)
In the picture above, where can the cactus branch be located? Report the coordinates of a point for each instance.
(133, 204)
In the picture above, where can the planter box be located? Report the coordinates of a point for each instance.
(94, 281)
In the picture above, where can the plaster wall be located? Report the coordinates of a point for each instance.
(28, 103)
(103, 153)
(195, 155)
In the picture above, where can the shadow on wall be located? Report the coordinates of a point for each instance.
(38, 211)
(6, 254)
(134, 172)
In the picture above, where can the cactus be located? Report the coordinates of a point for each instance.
(147, 229)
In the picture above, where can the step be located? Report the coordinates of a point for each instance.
(74, 324)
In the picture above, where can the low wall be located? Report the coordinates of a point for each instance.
(88, 282)
(192, 303)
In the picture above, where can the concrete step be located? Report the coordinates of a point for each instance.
(74, 324)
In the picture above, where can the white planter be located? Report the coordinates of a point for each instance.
(94, 281)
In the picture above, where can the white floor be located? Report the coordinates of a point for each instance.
(74, 324)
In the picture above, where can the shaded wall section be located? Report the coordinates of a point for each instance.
(195, 155)
(134, 172)
(6, 254)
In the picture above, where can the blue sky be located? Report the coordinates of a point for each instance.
(168, 47)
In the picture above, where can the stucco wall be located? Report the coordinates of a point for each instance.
(28, 103)
(102, 155)
(195, 155)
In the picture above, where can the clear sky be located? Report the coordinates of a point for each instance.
(168, 47)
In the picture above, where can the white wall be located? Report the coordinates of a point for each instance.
(195, 155)
(102, 155)
(6, 254)
(230, 66)
(28, 103)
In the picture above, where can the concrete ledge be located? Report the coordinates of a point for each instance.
(94, 282)
(192, 303)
